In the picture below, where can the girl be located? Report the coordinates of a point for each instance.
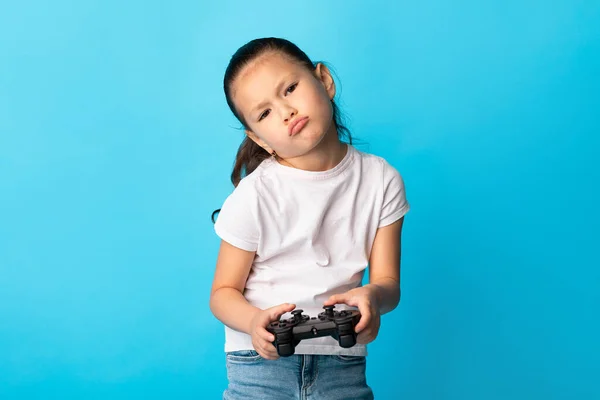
(308, 213)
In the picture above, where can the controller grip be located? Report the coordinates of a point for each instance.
(347, 341)
(285, 349)
(284, 342)
(346, 335)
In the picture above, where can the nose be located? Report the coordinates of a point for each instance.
(288, 114)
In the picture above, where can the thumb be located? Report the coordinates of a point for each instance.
(335, 299)
(277, 311)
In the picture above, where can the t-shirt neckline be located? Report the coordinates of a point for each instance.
(318, 175)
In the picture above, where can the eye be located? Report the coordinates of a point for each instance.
(291, 88)
(264, 115)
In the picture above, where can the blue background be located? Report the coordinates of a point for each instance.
(116, 144)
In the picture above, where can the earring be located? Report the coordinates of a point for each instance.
(273, 153)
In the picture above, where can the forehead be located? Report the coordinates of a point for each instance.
(259, 78)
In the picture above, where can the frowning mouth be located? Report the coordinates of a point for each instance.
(297, 125)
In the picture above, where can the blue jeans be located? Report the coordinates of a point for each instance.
(298, 377)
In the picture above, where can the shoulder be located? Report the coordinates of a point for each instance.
(238, 221)
(374, 163)
(394, 204)
(249, 195)
(254, 183)
(382, 171)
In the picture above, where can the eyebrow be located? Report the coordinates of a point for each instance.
(277, 90)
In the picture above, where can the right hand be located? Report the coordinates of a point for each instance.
(262, 340)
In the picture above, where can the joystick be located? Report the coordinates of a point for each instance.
(337, 324)
(297, 315)
(329, 310)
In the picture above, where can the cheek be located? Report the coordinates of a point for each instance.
(325, 109)
(318, 105)
(273, 133)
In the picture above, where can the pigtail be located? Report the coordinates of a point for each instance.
(248, 158)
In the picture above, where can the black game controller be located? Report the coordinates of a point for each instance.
(337, 324)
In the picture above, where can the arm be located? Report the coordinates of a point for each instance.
(227, 302)
(384, 266)
(229, 305)
(382, 293)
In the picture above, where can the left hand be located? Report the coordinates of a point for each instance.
(365, 299)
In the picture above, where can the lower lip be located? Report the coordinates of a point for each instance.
(299, 125)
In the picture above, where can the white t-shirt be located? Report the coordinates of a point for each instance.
(312, 233)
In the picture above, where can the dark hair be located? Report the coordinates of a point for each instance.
(250, 155)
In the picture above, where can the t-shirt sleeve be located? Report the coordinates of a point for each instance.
(395, 205)
(236, 222)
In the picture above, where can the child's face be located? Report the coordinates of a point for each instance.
(273, 92)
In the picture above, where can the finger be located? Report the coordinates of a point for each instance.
(332, 300)
(341, 298)
(369, 334)
(265, 334)
(259, 350)
(365, 319)
(260, 345)
(264, 354)
(271, 350)
(268, 350)
(364, 337)
(276, 312)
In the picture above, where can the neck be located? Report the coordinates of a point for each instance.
(325, 156)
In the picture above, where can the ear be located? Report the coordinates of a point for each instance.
(324, 75)
(259, 141)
